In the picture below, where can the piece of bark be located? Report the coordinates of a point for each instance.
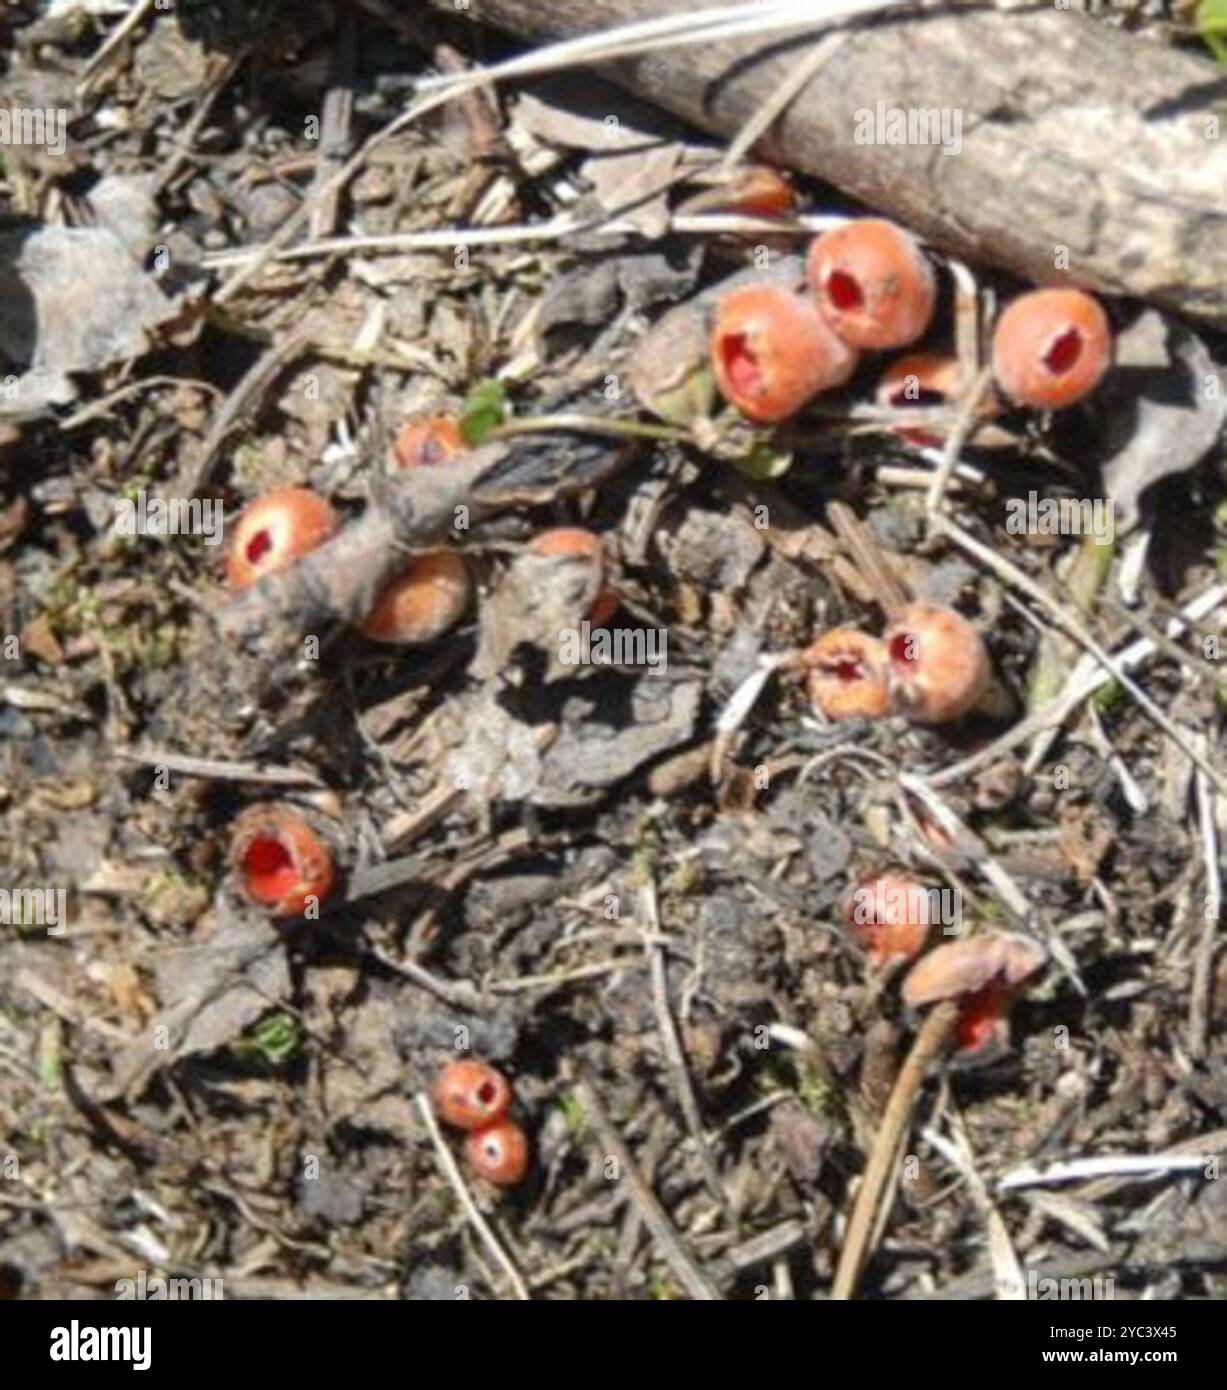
(1074, 134)
(249, 648)
(416, 510)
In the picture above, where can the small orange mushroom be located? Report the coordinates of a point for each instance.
(1051, 348)
(873, 283)
(920, 381)
(984, 974)
(939, 665)
(773, 352)
(756, 191)
(426, 443)
(889, 916)
(847, 675)
(275, 530)
(574, 540)
(762, 192)
(425, 600)
(471, 1095)
(499, 1152)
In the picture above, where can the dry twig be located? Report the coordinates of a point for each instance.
(930, 1042)
(655, 1218)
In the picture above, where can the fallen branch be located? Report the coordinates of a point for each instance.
(1071, 133)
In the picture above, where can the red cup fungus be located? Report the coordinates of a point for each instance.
(939, 665)
(921, 381)
(772, 352)
(847, 675)
(280, 863)
(275, 530)
(471, 1095)
(1051, 348)
(873, 283)
(499, 1152)
(889, 916)
(426, 443)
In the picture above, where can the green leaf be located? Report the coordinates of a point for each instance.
(485, 409)
(1210, 21)
(274, 1038)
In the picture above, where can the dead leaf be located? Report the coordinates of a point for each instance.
(539, 598)
(210, 993)
(632, 185)
(499, 755)
(592, 294)
(1164, 401)
(558, 117)
(57, 321)
(38, 639)
(609, 732)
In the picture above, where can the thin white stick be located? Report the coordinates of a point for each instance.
(1014, 576)
(318, 195)
(1121, 1165)
(893, 475)
(790, 1037)
(740, 703)
(1199, 995)
(743, 699)
(670, 1042)
(437, 91)
(963, 426)
(655, 35)
(1138, 801)
(1006, 889)
(1008, 1282)
(1087, 676)
(117, 35)
(591, 47)
(448, 238)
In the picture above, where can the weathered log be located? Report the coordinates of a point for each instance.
(1074, 134)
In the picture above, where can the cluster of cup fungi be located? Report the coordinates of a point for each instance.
(870, 288)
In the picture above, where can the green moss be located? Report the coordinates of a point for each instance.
(645, 855)
(764, 461)
(1108, 697)
(992, 913)
(247, 466)
(808, 1079)
(817, 1092)
(573, 1113)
